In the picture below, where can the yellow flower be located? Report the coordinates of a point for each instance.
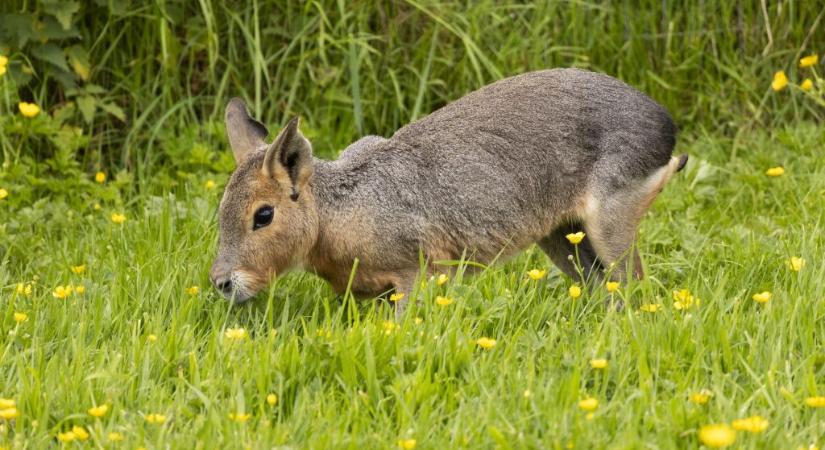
(96, 207)
(114, 436)
(118, 218)
(761, 297)
(272, 399)
(442, 278)
(66, 437)
(3, 61)
(796, 263)
(209, 185)
(407, 444)
(777, 171)
(2, 68)
(700, 397)
(684, 299)
(389, 327)
(809, 61)
(717, 436)
(80, 433)
(6, 403)
(536, 274)
(151, 338)
(527, 393)
(486, 343)
(780, 80)
(396, 296)
(80, 289)
(575, 291)
(62, 292)
(236, 333)
(815, 402)
(418, 320)
(155, 418)
(239, 417)
(20, 317)
(24, 289)
(612, 286)
(9, 413)
(79, 270)
(598, 363)
(753, 424)
(99, 411)
(100, 177)
(443, 301)
(651, 307)
(193, 290)
(807, 85)
(28, 109)
(589, 404)
(575, 238)
(3, 193)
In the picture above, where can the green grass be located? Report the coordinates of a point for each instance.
(346, 379)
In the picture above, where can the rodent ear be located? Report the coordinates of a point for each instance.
(245, 133)
(289, 159)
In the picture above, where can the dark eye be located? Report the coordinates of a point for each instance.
(263, 217)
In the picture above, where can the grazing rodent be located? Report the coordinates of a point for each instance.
(524, 160)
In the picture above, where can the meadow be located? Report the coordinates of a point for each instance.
(114, 158)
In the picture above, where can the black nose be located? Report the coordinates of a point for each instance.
(224, 285)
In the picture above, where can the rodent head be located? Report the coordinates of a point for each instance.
(268, 218)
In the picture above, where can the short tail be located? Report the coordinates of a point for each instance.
(683, 159)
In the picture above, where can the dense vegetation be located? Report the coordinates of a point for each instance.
(114, 157)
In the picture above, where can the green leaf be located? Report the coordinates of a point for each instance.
(114, 110)
(87, 105)
(52, 54)
(17, 29)
(62, 11)
(79, 59)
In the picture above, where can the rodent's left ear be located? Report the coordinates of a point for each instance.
(289, 159)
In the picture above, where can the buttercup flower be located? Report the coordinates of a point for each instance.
(717, 436)
(80, 433)
(575, 291)
(24, 289)
(390, 326)
(588, 404)
(612, 286)
(3, 62)
(796, 263)
(486, 343)
(193, 290)
(761, 297)
(99, 411)
(118, 218)
(6, 403)
(575, 238)
(80, 289)
(155, 418)
(62, 292)
(684, 299)
(20, 317)
(443, 301)
(441, 279)
(236, 333)
(151, 338)
(651, 307)
(272, 399)
(114, 436)
(815, 402)
(809, 61)
(753, 424)
(28, 109)
(396, 296)
(9, 413)
(239, 417)
(536, 274)
(100, 177)
(598, 363)
(209, 185)
(66, 437)
(79, 270)
(407, 444)
(3, 194)
(807, 85)
(700, 397)
(777, 171)
(780, 80)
